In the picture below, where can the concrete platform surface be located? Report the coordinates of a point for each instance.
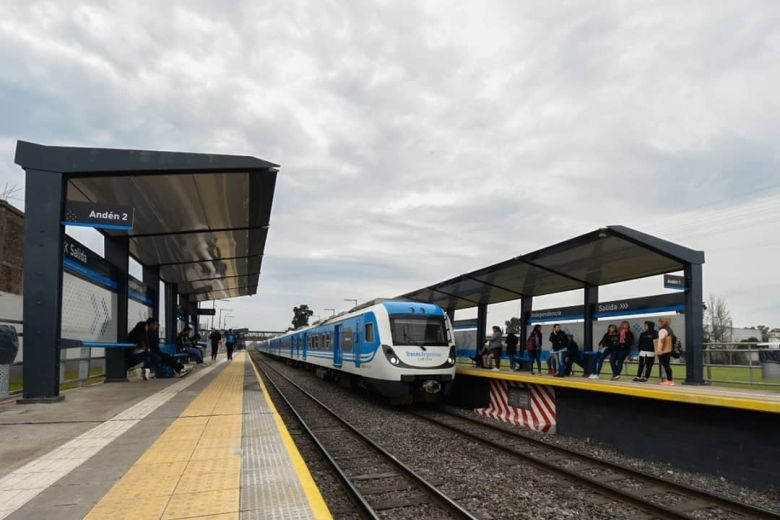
(754, 400)
(210, 445)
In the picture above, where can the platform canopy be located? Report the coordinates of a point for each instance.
(604, 256)
(202, 219)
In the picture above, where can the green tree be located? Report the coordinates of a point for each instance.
(512, 325)
(301, 315)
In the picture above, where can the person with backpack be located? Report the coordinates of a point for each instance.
(646, 352)
(558, 340)
(663, 349)
(215, 337)
(511, 351)
(608, 344)
(625, 341)
(230, 343)
(533, 346)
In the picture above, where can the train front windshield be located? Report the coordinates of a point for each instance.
(418, 331)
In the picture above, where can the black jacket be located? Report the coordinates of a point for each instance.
(183, 342)
(646, 340)
(558, 340)
(610, 341)
(511, 344)
(215, 337)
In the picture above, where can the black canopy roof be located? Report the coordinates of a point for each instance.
(201, 218)
(604, 256)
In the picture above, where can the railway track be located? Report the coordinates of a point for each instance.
(379, 485)
(645, 491)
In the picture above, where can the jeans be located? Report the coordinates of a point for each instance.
(229, 347)
(196, 354)
(214, 350)
(600, 359)
(537, 355)
(616, 361)
(142, 358)
(645, 365)
(664, 360)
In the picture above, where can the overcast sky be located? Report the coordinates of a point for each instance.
(421, 140)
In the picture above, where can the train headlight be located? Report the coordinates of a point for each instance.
(394, 360)
(452, 356)
(391, 355)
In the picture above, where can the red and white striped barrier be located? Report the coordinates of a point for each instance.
(541, 417)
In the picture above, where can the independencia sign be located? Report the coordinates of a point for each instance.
(104, 216)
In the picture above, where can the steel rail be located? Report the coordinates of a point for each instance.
(719, 500)
(605, 489)
(447, 502)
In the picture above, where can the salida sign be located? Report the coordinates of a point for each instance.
(104, 216)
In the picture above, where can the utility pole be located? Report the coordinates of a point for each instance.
(332, 312)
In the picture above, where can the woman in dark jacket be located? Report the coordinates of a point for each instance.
(140, 353)
(646, 352)
(608, 344)
(625, 341)
(533, 346)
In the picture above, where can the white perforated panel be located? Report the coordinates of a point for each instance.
(88, 311)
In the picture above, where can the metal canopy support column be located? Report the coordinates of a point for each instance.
(481, 324)
(171, 305)
(526, 306)
(152, 280)
(117, 253)
(694, 325)
(591, 301)
(43, 243)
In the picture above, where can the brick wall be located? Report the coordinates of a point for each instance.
(11, 248)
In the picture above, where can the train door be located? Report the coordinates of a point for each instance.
(337, 356)
(292, 347)
(356, 342)
(305, 345)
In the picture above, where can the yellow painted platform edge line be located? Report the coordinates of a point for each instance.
(317, 503)
(708, 400)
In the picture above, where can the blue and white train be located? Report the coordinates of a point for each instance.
(401, 350)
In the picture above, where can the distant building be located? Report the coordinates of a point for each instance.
(11, 248)
(739, 334)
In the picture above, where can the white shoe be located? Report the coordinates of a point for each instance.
(145, 374)
(593, 376)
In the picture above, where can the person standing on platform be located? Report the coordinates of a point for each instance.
(646, 352)
(625, 341)
(533, 346)
(495, 346)
(215, 337)
(663, 349)
(607, 345)
(230, 343)
(511, 350)
(559, 341)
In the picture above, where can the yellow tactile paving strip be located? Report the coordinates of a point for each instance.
(706, 395)
(193, 469)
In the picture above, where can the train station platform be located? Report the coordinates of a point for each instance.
(209, 445)
(753, 400)
(726, 432)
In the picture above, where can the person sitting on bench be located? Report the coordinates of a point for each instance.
(158, 356)
(184, 344)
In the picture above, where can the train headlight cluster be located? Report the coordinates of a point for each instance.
(391, 355)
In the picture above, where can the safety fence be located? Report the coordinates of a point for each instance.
(754, 364)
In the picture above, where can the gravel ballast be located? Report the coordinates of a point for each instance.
(486, 482)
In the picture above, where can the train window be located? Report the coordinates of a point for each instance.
(369, 332)
(327, 341)
(346, 339)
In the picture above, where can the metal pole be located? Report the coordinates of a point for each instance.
(117, 253)
(43, 250)
(213, 306)
(332, 312)
(694, 325)
(590, 304)
(481, 325)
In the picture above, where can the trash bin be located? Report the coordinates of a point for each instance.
(770, 363)
(9, 346)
